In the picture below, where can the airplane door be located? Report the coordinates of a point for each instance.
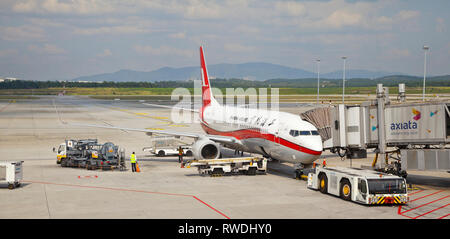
(276, 147)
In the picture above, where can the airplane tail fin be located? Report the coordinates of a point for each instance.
(207, 96)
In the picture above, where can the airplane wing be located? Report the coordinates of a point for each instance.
(172, 107)
(216, 138)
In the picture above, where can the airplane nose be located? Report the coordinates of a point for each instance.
(314, 144)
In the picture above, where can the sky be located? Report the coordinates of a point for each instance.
(65, 39)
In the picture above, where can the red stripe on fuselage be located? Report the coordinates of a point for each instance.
(255, 133)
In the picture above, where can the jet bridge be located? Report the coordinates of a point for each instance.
(415, 135)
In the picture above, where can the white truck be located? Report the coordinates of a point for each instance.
(166, 145)
(11, 172)
(359, 185)
(219, 167)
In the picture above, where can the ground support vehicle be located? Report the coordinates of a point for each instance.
(89, 154)
(11, 172)
(220, 167)
(166, 145)
(359, 185)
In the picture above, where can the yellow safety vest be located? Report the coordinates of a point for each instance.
(133, 158)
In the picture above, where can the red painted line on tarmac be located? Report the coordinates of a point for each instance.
(88, 176)
(130, 190)
(416, 192)
(399, 212)
(427, 195)
(444, 216)
(4, 107)
(426, 204)
(106, 188)
(431, 211)
(212, 207)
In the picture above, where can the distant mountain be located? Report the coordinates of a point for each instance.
(391, 81)
(358, 74)
(257, 71)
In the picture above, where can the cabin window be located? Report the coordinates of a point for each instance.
(271, 123)
(314, 132)
(294, 133)
(264, 122)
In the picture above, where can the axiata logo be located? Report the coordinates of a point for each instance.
(409, 124)
(400, 126)
(416, 114)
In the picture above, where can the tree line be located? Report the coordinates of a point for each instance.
(393, 81)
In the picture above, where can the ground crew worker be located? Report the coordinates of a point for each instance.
(133, 162)
(180, 154)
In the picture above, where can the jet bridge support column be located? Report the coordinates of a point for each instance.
(381, 102)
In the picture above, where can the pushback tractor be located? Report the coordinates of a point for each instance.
(359, 185)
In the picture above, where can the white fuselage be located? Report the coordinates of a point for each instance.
(278, 135)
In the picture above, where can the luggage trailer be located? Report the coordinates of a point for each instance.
(220, 167)
(11, 172)
(359, 185)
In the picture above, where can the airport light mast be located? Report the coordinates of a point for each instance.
(425, 48)
(343, 81)
(318, 79)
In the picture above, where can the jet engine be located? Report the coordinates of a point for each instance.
(205, 149)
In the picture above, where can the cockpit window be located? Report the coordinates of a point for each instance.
(304, 132)
(296, 133)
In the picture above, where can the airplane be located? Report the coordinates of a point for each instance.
(276, 135)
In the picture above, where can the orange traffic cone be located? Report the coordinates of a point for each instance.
(137, 168)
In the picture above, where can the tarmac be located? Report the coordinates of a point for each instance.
(29, 129)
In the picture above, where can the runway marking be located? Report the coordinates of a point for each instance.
(88, 176)
(212, 208)
(155, 128)
(403, 213)
(164, 119)
(416, 192)
(432, 211)
(131, 190)
(427, 195)
(9, 103)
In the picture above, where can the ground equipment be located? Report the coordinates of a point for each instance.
(220, 167)
(89, 154)
(11, 172)
(167, 145)
(359, 185)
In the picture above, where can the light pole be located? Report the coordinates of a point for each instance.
(343, 81)
(425, 48)
(318, 79)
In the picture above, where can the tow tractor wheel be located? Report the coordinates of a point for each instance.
(161, 153)
(346, 190)
(323, 183)
(11, 186)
